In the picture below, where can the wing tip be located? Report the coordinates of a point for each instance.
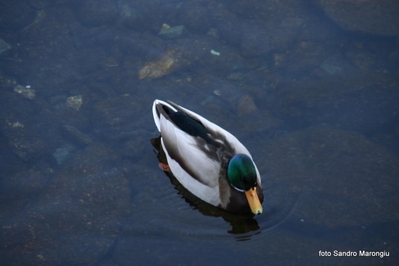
(156, 114)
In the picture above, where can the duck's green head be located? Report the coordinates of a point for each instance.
(241, 174)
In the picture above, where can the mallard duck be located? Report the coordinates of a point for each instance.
(207, 160)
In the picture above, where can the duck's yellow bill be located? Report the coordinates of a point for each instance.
(253, 201)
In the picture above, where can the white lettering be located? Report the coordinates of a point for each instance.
(380, 254)
(348, 253)
(324, 253)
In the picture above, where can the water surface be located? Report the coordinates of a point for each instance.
(311, 93)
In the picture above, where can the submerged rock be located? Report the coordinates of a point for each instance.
(76, 135)
(255, 38)
(168, 32)
(61, 155)
(77, 218)
(75, 102)
(361, 101)
(146, 15)
(30, 137)
(246, 105)
(4, 46)
(25, 91)
(156, 69)
(195, 15)
(96, 13)
(368, 16)
(16, 15)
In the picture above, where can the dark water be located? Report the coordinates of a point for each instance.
(310, 87)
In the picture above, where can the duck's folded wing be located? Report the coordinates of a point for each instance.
(187, 151)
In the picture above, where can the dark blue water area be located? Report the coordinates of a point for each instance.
(309, 87)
